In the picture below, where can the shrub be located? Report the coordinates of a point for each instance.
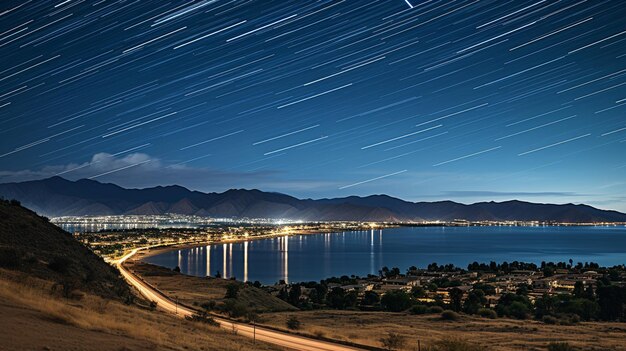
(560, 346)
(293, 323)
(419, 309)
(60, 264)
(449, 315)
(319, 333)
(549, 320)
(202, 317)
(393, 341)
(396, 301)
(487, 313)
(518, 310)
(10, 258)
(234, 309)
(435, 309)
(209, 305)
(232, 290)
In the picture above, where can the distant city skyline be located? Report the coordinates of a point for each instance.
(421, 100)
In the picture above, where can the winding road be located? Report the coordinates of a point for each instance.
(270, 336)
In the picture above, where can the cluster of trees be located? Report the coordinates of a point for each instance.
(606, 301)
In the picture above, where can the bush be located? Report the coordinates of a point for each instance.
(550, 320)
(435, 309)
(10, 258)
(518, 310)
(232, 290)
(208, 306)
(393, 341)
(419, 309)
(396, 301)
(487, 313)
(60, 264)
(293, 323)
(560, 346)
(234, 309)
(449, 315)
(202, 317)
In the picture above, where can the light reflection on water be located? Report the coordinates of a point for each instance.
(319, 256)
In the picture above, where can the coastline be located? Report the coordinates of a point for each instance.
(150, 252)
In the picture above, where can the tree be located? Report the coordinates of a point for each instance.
(350, 299)
(518, 310)
(294, 295)
(335, 298)
(456, 297)
(589, 294)
(579, 289)
(293, 323)
(232, 290)
(513, 305)
(522, 289)
(396, 301)
(611, 299)
(548, 271)
(418, 291)
(475, 301)
(370, 298)
(393, 341)
(545, 306)
(486, 288)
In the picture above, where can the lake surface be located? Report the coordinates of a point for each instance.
(318, 256)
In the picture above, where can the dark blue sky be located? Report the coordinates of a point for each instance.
(464, 100)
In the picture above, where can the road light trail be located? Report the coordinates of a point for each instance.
(164, 303)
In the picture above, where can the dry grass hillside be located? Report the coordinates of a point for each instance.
(31, 244)
(34, 319)
(194, 291)
(486, 334)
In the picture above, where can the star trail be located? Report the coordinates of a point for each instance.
(416, 99)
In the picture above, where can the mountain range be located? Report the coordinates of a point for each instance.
(57, 196)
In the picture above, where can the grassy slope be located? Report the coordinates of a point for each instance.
(195, 290)
(33, 319)
(495, 334)
(29, 243)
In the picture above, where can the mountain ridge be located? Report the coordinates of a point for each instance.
(57, 196)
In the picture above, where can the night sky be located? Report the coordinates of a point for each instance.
(423, 100)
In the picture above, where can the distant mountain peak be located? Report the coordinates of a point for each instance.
(61, 197)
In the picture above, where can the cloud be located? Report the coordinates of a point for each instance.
(139, 170)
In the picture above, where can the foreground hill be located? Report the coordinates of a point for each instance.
(30, 244)
(60, 197)
(34, 319)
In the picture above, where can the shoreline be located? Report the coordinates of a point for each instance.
(150, 252)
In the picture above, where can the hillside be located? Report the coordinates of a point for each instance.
(55, 294)
(60, 197)
(30, 244)
(33, 319)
